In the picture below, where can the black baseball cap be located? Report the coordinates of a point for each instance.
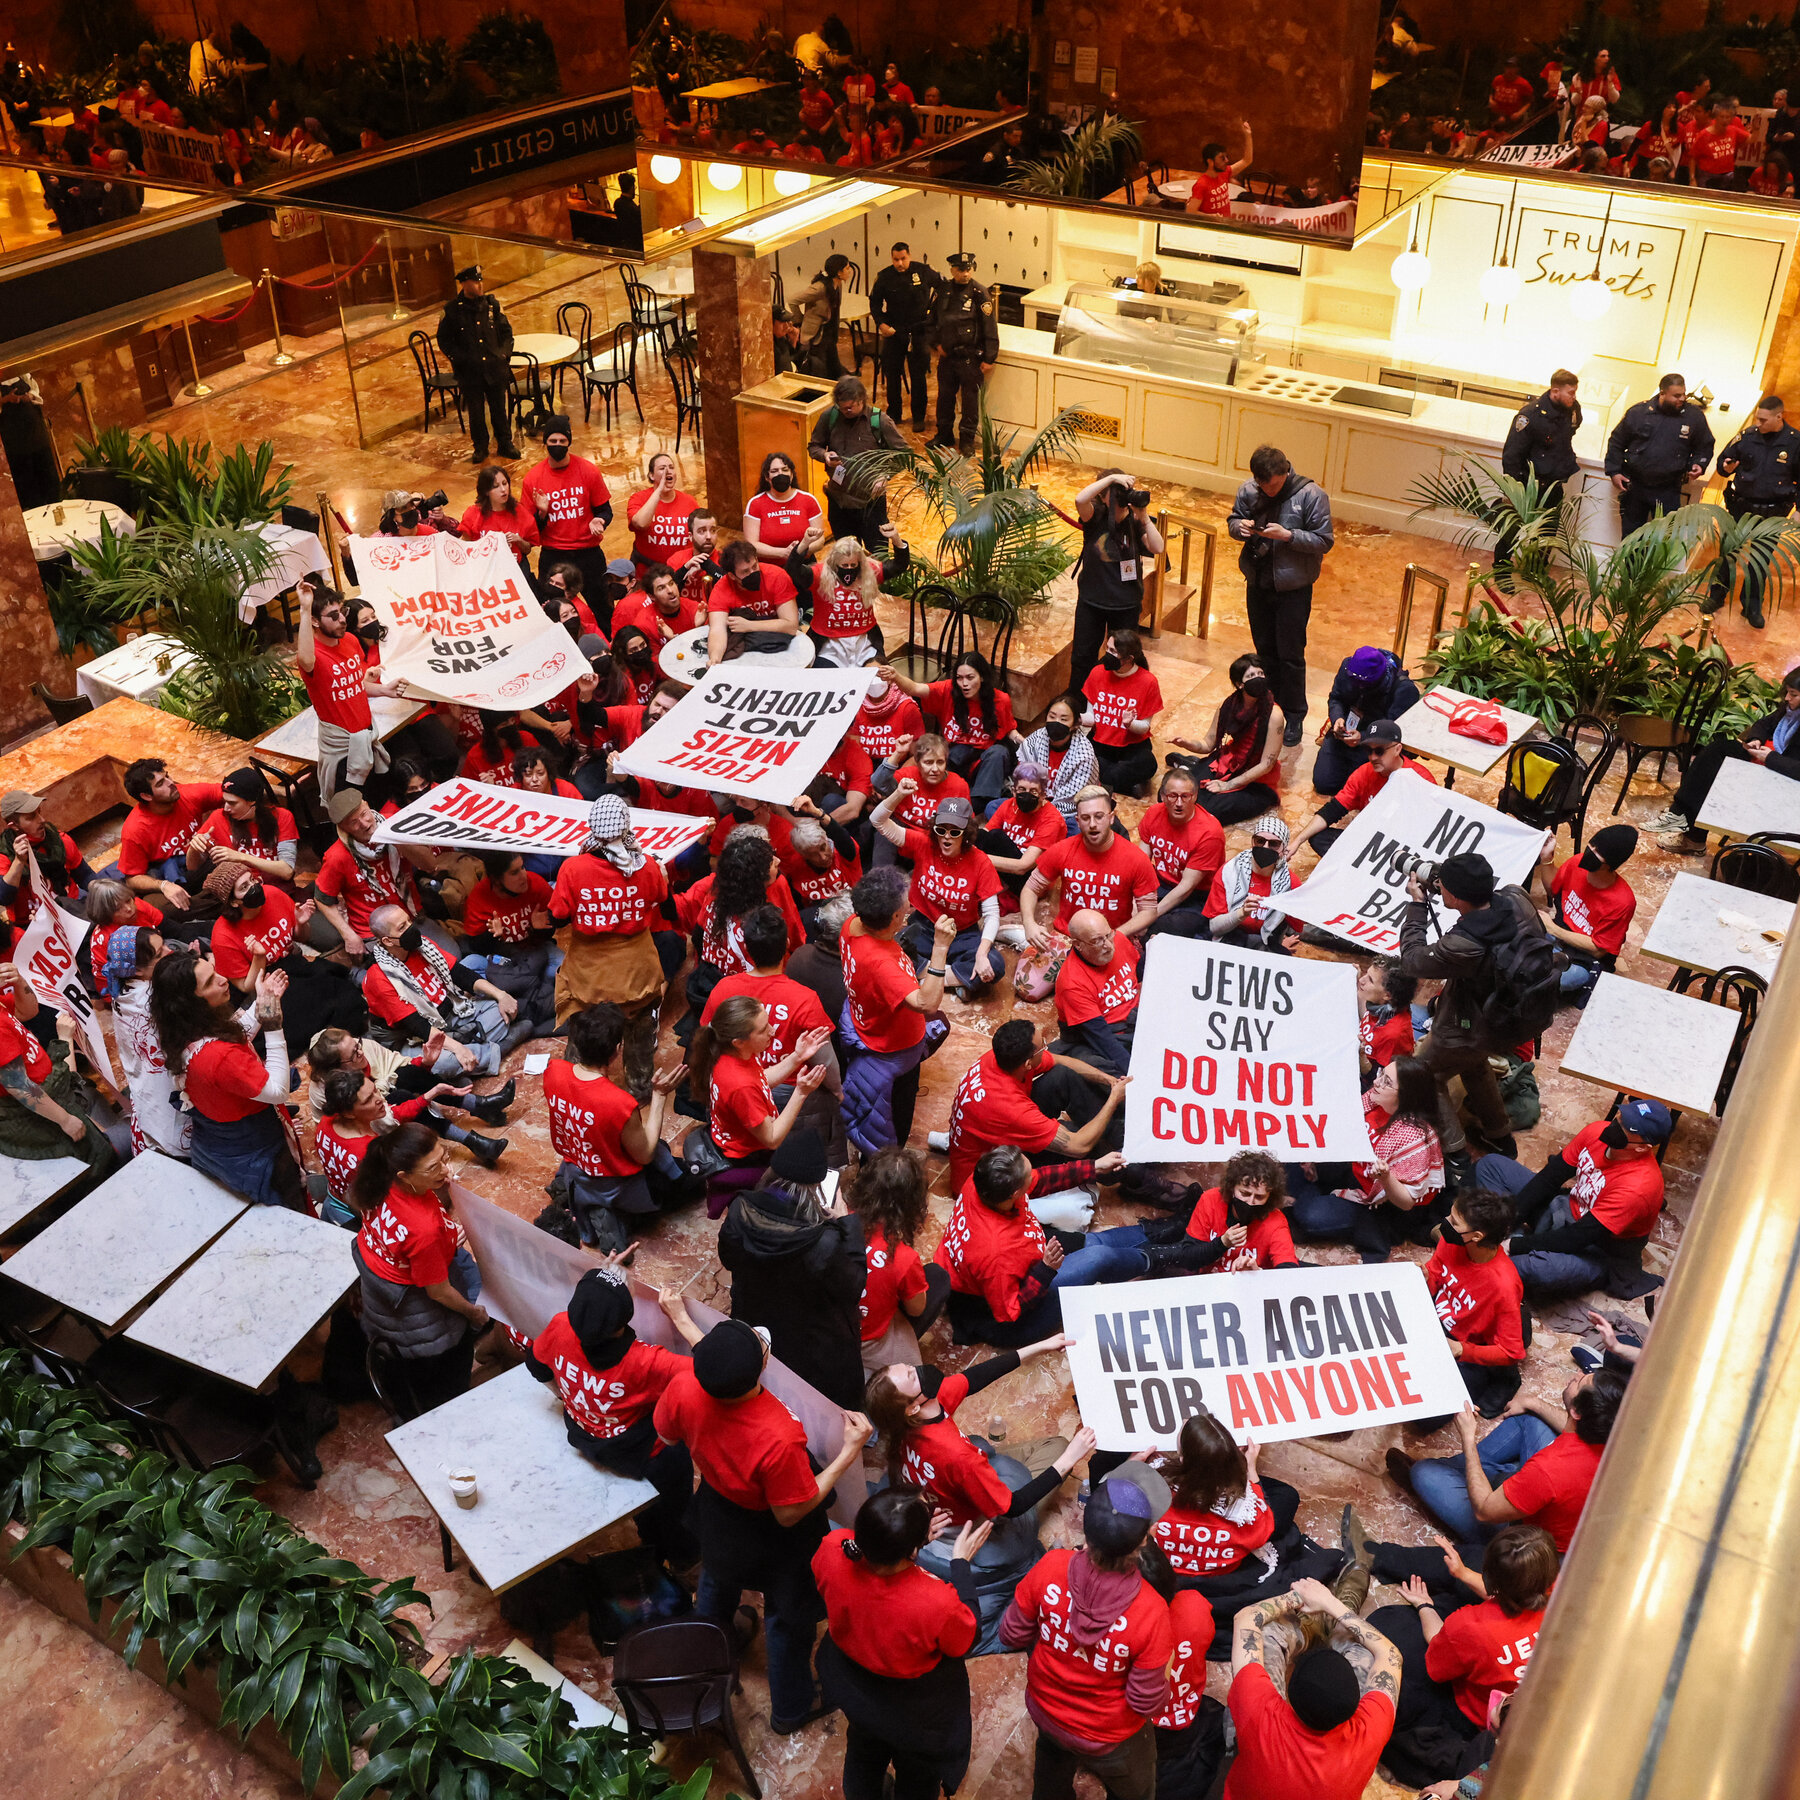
(1381, 731)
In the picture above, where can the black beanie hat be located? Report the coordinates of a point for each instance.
(600, 1315)
(728, 1361)
(1469, 876)
(1322, 1688)
(557, 425)
(1613, 844)
(799, 1161)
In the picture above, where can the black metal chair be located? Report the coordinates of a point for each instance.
(1758, 868)
(433, 380)
(649, 311)
(1549, 781)
(863, 341)
(684, 377)
(1744, 990)
(574, 318)
(1678, 736)
(609, 371)
(106, 485)
(394, 1389)
(527, 404)
(62, 1344)
(962, 627)
(678, 1676)
(62, 709)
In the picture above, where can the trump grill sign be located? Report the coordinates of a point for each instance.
(1241, 1050)
(1270, 1353)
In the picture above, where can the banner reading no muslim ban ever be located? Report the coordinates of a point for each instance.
(761, 732)
(1242, 1050)
(1357, 890)
(475, 816)
(1270, 1353)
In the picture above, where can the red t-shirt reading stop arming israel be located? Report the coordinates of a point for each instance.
(1208, 1543)
(1115, 700)
(336, 686)
(939, 886)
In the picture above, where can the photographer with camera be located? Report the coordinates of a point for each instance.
(476, 338)
(1283, 521)
(1117, 538)
(414, 515)
(1502, 976)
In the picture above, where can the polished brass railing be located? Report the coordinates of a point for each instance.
(1199, 600)
(1669, 1665)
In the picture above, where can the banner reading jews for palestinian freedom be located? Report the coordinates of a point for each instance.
(1357, 890)
(1270, 1353)
(1241, 1050)
(763, 733)
(47, 956)
(475, 816)
(463, 622)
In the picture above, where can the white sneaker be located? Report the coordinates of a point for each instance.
(938, 1141)
(1012, 935)
(1670, 820)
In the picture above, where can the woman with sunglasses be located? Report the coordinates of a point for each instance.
(950, 878)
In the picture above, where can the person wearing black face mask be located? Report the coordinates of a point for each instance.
(1591, 907)
(753, 608)
(572, 503)
(781, 513)
(1370, 684)
(1119, 541)
(1239, 765)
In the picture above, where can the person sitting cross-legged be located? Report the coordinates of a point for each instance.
(950, 877)
(1097, 993)
(415, 990)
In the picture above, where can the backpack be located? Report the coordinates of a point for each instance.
(1527, 969)
(832, 415)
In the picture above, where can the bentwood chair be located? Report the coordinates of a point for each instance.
(393, 1388)
(1680, 736)
(611, 370)
(684, 377)
(676, 1676)
(574, 318)
(434, 380)
(649, 311)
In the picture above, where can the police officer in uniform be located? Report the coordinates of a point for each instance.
(900, 303)
(1763, 462)
(967, 340)
(1541, 443)
(477, 339)
(1654, 449)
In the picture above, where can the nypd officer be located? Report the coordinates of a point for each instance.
(477, 339)
(900, 304)
(1656, 447)
(1541, 443)
(1763, 463)
(967, 340)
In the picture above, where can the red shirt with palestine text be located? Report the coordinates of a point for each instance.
(1208, 1543)
(588, 1115)
(152, 837)
(990, 1253)
(335, 686)
(1269, 1245)
(740, 1102)
(752, 1452)
(1110, 884)
(948, 1469)
(993, 1107)
(1481, 1650)
(878, 977)
(895, 1274)
(1603, 914)
(605, 1403)
(665, 539)
(1197, 843)
(597, 900)
(1365, 781)
(1624, 1195)
(1478, 1303)
(782, 519)
(1115, 700)
(957, 888)
(1277, 1755)
(1084, 992)
(571, 493)
(1191, 1620)
(793, 1010)
(900, 1626)
(1553, 1486)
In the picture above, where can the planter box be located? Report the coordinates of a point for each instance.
(49, 1578)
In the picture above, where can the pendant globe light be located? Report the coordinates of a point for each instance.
(791, 181)
(1591, 299)
(724, 176)
(1411, 269)
(1500, 281)
(665, 169)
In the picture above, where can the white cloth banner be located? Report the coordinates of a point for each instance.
(1336, 220)
(1357, 889)
(1270, 1353)
(1242, 1050)
(463, 622)
(527, 1277)
(47, 956)
(762, 732)
(476, 816)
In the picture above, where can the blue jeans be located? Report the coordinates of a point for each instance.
(1546, 1274)
(1443, 1482)
(985, 770)
(1115, 1255)
(788, 1646)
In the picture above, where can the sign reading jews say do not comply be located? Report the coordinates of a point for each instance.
(474, 815)
(1270, 1353)
(1242, 1050)
(762, 732)
(1357, 890)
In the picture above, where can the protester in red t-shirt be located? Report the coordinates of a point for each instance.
(355, 1112)
(256, 926)
(887, 724)
(890, 1196)
(658, 516)
(1189, 1742)
(356, 874)
(1251, 1232)
(1097, 992)
(933, 783)
(569, 495)
(659, 609)
(153, 842)
(1017, 834)
(27, 1066)
(1480, 1299)
(821, 858)
(749, 605)
(745, 1123)
(1098, 870)
(1713, 154)
(1212, 185)
(1386, 759)
(781, 513)
(1186, 847)
(1591, 906)
(339, 678)
(975, 719)
(1384, 1027)
(950, 879)
(1123, 701)
(1510, 94)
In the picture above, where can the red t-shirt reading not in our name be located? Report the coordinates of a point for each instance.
(1191, 1621)
(1115, 700)
(1553, 1486)
(503, 915)
(740, 1102)
(665, 539)
(1482, 1650)
(894, 1274)
(901, 1625)
(1042, 827)
(1478, 1303)
(335, 685)
(1269, 1244)
(1623, 1195)
(940, 886)
(605, 1403)
(1208, 1543)
(248, 835)
(752, 1452)
(810, 886)
(1277, 1755)
(948, 1469)
(1110, 884)
(152, 837)
(878, 978)
(1197, 843)
(993, 1106)
(587, 1115)
(571, 494)
(362, 886)
(1084, 992)
(1603, 914)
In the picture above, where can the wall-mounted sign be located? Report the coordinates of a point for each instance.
(1554, 250)
(1087, 64)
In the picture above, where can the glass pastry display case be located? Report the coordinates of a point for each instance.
(1161, 334)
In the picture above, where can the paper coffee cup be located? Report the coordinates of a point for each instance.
(462, 1486)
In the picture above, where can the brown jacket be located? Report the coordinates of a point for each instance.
(1462, 960)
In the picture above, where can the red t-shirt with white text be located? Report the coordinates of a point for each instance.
(939, 886)
(878, 977)
(665, 539)
(894, 1274)
(993, 1107)
(1084, 992)
(588, 1113)
(1110, 884)
(1197, 843)
(1115, 700)
(336, 684)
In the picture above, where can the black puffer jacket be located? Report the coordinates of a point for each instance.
(1463, 961)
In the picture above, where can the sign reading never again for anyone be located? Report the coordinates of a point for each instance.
(1271, 1353)
(760, 732)
(1243, 1050)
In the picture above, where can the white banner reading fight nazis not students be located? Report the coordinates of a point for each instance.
(463, 622)
(762, 732)
(1270, 1353)
(472, 815)
(1242, 1050)
(1357, 890)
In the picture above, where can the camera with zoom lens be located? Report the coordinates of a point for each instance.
(1422, 866)
(1139, 497)
(431, 503)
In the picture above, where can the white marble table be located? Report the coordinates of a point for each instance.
(1688, 931)
(669, 280)
(537, 1496)
(299, 737)
(119, 1245)
(297, 553)
(590, 1715)
(1643, 1040)
(80, 524)
(1427, 732)
(1746, 798)
(683, 658)
(241, 1309)
(27, 1186)
(853, 308)
(549, 347)
(131, 672)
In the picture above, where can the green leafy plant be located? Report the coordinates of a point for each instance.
(114, 450)
(85, 605)
(515, 53)
(1085, 168)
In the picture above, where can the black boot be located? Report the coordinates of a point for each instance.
(1459, 1171)
(503, 1095)
(490, 1109)
(486, 1150)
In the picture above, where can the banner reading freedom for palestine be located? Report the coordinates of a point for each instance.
(472, 815)
(761, 732)
(1357, 889)
(463, 622)
(1241, 1050)
(1270, 1353)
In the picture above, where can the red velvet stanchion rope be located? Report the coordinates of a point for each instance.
(318, 287)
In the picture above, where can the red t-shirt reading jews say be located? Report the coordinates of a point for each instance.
(1277, 1755)
(1081, 1687)
(990, 1253)
(1482, 1650)
(1191, 1620)
(994, 1107)
(1084, 992)
(1552, 1488)
(1269, 1245)
(957, 888)
(151, 837)
(1115, 700)
(1603, 914)
(751, 1452)
(1625, 1196)
(270, 929)
(895, 1274)
(592, 895)
(665, 539)
(335, 686)
(587, 1114)
(605, 1403)
(948, 1469)
(793, 1010)
(1208, 1543)
(1198, 843)
(573, 491)
(408, 1239)
(740, 1102)
(901, 1625)
(878, 977)
(1110, 884)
